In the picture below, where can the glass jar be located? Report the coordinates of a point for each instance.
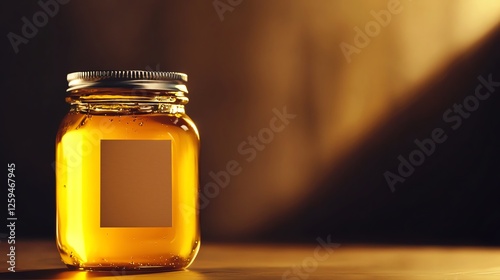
(127, 172)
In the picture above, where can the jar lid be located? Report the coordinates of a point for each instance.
(133, 79)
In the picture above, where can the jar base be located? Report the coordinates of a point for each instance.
(124, 269)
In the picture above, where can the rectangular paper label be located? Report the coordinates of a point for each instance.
(136, 183)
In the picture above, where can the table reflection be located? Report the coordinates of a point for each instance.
(82, 275)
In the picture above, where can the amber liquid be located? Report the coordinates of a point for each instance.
(82, 242)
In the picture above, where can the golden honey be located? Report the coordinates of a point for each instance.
(127, 173)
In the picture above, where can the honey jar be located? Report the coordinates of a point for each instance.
(127, 172)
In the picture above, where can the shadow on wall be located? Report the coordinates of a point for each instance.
(427, 175)
(292, 56)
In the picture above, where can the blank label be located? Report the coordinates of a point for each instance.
(136, 183)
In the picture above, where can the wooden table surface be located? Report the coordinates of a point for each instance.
(39, 259)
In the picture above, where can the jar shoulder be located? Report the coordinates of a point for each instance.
(134, 124)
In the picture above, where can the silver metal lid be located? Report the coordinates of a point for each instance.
(132, 79)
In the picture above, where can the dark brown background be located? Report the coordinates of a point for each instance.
(323, 174)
